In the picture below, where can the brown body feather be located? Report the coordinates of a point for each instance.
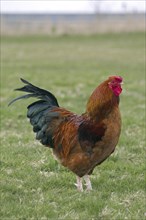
(83, 142)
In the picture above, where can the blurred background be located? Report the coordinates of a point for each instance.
(71, 17)
(69, 47)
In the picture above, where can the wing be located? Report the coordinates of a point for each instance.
(46, 120)
(89, 133)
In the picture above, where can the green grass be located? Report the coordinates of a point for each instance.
(33, 185)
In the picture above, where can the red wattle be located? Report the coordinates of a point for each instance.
(117, 91)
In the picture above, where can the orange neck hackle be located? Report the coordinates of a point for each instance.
(102, 101)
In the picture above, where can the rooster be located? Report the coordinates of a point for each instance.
(79, 142)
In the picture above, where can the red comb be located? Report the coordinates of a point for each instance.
(119, 79)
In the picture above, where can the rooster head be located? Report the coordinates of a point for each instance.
(115, 83)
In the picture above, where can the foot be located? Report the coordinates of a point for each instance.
(79, 184)
(88, 183)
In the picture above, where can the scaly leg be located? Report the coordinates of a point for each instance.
(79, 184)
(88, 182)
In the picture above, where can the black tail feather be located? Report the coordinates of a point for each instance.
(40, 112)
(36, 92)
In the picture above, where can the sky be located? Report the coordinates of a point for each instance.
(71, 6)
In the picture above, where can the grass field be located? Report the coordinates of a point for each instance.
(33, 185)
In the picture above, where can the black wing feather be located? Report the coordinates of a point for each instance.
(89, 133)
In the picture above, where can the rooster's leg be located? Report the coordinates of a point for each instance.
(79, 184)
(88, 182)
